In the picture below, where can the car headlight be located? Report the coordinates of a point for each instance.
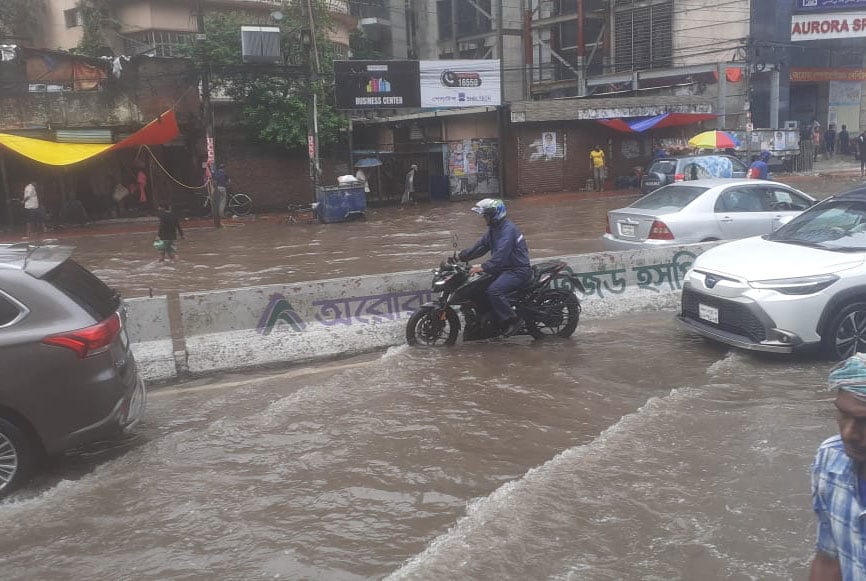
(805, 285)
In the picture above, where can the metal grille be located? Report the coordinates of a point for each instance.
(733, 317)
(644, 35)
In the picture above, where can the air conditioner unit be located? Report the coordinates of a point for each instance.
(792, 124)
(260, 44)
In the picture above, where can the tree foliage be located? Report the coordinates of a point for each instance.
(274, 108)
(19, 19)
(96, 19)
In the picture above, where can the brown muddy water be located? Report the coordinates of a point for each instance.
(631, 451)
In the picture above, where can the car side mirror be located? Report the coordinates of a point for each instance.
(781, 222)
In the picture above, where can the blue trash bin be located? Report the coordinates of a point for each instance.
(341, 203)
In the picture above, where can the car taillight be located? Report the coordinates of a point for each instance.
(680, 177)
(660, 231)
(88, 341)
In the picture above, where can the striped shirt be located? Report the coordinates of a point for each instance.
(835, 498)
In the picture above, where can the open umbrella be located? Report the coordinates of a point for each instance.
(714, 140)
(368, 162)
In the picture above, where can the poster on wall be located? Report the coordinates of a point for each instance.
(473, 168)
(548, 143)
(460, 83)
(376, 84)
(845, 104)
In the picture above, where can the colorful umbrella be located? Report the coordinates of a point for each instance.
(714, 140)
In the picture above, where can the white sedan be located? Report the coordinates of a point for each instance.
(704, 210)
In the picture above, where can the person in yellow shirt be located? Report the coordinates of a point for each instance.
(596, 159)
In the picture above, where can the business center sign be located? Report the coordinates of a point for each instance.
(460, 83)
(823, 5)
(376, 84)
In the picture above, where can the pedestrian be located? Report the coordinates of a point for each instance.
(844, 140)
(861, 152)
(839, 480)
(509, 261)
(361, 176)
(32, 210)
(816, 139)
(760, 169)
(169, 230)
(409, 187)
(830, 139)
(596, 161)
(221, 181)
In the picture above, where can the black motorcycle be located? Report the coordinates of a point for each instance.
(546, 304)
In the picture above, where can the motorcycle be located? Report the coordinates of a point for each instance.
(546, 304)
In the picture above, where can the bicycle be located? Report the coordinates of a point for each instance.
(239, 204)
(301, 214)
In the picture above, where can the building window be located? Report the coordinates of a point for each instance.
(644, 36)
(73, 18)
(167, 43)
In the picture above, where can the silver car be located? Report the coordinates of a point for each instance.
(69, 376)
(704, 210)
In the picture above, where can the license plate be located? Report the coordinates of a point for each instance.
(626, 229)
(708, 313)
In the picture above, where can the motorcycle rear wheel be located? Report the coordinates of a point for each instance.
(563, 306)
(433, 327)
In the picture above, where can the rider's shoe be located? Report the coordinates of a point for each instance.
(511, 327)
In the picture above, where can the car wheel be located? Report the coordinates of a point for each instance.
(846, 333)
(16, 457)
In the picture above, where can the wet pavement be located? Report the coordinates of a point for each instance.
(632, 450)
(571, 459)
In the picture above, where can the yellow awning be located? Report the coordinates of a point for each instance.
(157, 132)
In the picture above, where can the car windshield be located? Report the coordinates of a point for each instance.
(670, 198)
(835, 225)
(665, 166)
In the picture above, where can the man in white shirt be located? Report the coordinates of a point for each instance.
(32, 210)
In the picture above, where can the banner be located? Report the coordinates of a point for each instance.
(460, 83)
(827, 26)
(376, 84)
(815, 5)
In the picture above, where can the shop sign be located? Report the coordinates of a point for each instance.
(805, 75)
(816, 5)
(376, 84)
(460, 83)
(828, 26)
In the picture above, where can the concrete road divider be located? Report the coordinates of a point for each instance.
(248, 327)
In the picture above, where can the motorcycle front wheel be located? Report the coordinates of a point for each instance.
(563, 314)
(429, 328)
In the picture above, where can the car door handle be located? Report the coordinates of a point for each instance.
(726, 219)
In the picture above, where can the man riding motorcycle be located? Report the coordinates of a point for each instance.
(509, 260)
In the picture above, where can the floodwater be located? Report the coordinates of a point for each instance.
(631, 451)
(268, 250)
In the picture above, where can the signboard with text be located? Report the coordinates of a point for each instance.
(815, 75)
(822, 5)
(460, 83)
(828, 26)
(376, 84)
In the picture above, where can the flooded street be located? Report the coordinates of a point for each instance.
(632, 450)
(267, 250)
(507, 459)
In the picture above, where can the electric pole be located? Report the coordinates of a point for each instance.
(207, 113)
(313, 126)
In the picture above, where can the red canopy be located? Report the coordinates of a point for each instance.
(641, 124)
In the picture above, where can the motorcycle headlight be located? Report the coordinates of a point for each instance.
(805, 285)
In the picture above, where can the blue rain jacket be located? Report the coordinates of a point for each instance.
(507, 247)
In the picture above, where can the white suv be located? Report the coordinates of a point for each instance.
(802, 286)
